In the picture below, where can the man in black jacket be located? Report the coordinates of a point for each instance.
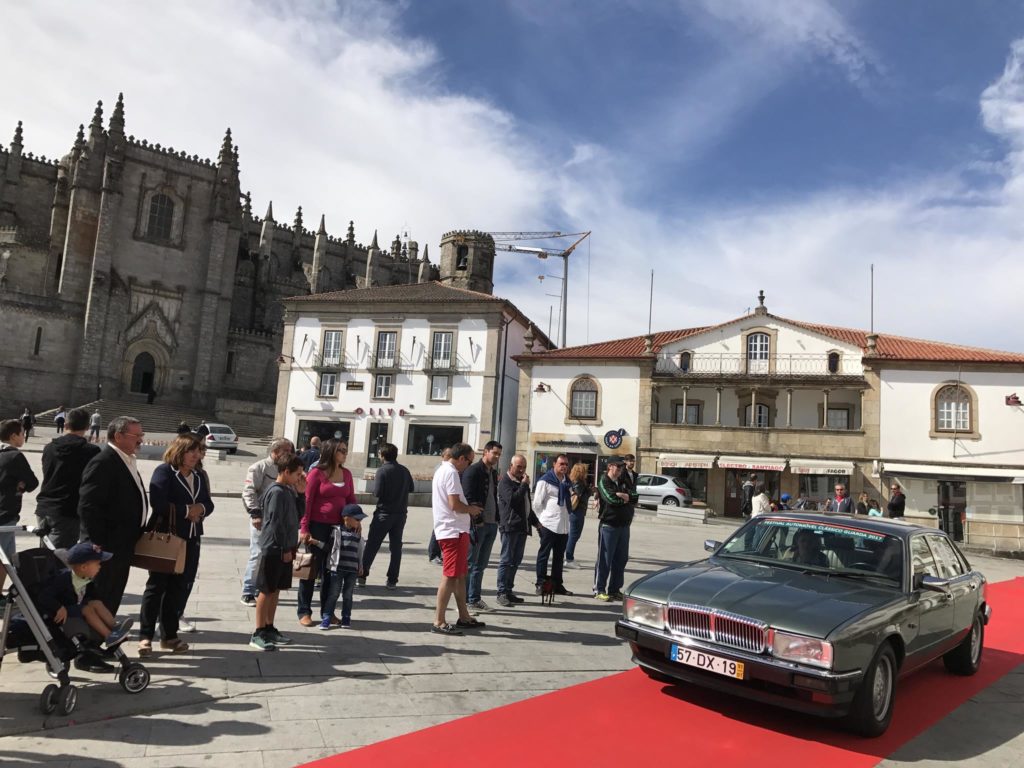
(113, 507)
(391, 485)
(514, 523)
(64, 461)
(16, 479)
(480, 484)
(615, 511)
(897, 505)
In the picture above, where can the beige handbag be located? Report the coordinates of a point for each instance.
(304, 564)
(161, 551)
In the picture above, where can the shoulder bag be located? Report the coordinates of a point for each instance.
(161, 551)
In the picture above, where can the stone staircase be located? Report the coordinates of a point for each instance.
(158, 417)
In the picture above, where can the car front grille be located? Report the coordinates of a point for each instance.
(718, 627)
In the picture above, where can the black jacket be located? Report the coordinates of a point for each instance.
(59, 592)
(166, 489)
(897, 505)
(612, 510)
(14, 469)
(392, 485)
(64, 461)
(110, 505)
(513, 505)
(474, 485)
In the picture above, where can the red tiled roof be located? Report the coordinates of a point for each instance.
(887, 347)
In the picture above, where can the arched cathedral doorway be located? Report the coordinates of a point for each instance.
(143, 373)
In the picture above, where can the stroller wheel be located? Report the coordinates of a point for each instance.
(48, 699)
(134, 678)
(67, 699)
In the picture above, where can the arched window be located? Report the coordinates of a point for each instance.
(953, 410)
(462, 257)
(161, 216)
(583, 399)
(760, 416)
(833, 362)
(758, 348)
(684, 362)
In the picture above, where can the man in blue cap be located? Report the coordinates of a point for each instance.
(784, 501)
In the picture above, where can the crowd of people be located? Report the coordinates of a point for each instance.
(304, 525)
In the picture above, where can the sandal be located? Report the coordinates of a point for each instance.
(176, 645)
(145, 647)
(444, 629)
(470, 624)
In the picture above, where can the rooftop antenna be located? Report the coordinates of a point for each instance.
(872, 298)
(650, 305)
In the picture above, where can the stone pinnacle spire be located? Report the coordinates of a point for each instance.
(80, 138)
(117, 118)
(270, 211)
(373, 245)
(227, 153)
(16, 144)
(426, 252)
(298, 220)
(323, 225)
(96, 126)
(248, 205)
(351, 232)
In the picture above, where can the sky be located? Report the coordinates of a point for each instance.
(730, 146)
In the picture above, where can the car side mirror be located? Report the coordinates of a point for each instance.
(710, 545)
(932, 583)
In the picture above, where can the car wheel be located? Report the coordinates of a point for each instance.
(965, 659)
(872, 707)
(670, 501)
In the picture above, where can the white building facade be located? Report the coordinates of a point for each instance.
(800, 405)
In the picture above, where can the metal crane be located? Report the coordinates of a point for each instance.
(505, 241)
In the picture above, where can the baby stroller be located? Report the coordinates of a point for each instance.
(39, 640)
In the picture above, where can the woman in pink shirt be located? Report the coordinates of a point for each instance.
(328, 489)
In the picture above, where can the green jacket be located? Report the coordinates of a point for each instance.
(611, 509)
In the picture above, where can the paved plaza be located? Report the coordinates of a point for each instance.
(226, 704)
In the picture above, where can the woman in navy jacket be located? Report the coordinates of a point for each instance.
(180, 489)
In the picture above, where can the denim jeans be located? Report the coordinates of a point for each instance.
(553, 545)
(433, 548)
(479, 556)
(513, 545)
(392, 526)
(612, 555)
(321, 532)
(248, 588)
(338, 584)
(576, 521)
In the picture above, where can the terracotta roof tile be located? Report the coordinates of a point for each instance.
(429, 292)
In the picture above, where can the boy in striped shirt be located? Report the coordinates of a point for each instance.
(344, 565)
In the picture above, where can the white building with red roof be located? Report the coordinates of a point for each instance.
(803, 406)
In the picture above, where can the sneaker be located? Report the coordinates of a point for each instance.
(361, 581)
(186, 626)
(261, 642)
(346, 623)
(392, 585)
(504, 601)
(118, 633)
(571, 564)
(249, 601)
(478, 605)
(325, 623)
(515, 598)
(276, 637)
(437, 561)
(616, 595)
(560, 590)
(604, 597)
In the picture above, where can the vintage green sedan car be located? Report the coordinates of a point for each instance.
(819, 613)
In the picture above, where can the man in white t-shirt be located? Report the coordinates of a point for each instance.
(451, 529)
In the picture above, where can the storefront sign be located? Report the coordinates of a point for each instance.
(684, 461)
(571, 443)
(354, 385)
(613, 438)
(820, 467)
(379, 412)
(752, 463)
(820, 470)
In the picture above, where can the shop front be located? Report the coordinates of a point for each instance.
(692, 469)
(816, 478)
(738, 469)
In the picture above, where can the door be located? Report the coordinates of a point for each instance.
(757, 353)
(734, 479)
(962, 584)
(934, 612)
(387, 342)
(143, 373)
(378, 436)
(952, 507)
(646, 488)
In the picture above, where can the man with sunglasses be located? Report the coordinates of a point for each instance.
(897, 502)
(841, 503)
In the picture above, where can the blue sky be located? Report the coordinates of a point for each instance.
(729, 145)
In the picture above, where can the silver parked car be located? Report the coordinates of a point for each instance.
(221, 436)
(662, 489)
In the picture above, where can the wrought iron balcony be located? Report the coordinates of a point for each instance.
(330, 363)
(388, 364)
(739, 366)
(441, 365)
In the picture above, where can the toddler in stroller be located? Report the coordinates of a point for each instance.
(61, 621)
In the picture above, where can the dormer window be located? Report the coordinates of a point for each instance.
(684, 362)
(758, 350)
(833, 362)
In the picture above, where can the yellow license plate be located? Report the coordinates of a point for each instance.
(706, 661)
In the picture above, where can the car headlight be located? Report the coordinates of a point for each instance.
(803, 650)
(643, 612)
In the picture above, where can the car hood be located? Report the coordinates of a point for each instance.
(785, 598)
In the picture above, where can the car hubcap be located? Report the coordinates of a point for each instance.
(975, 642)
(881, 690)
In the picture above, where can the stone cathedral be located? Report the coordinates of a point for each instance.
(127, 267)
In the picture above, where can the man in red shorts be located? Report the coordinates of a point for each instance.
(451, 528)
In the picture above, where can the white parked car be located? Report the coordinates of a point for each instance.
(662, 489)
(222, 437)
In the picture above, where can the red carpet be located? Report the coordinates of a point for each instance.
(629, 719)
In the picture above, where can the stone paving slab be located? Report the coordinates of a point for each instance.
(225, 704)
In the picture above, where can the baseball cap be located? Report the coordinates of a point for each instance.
(354, 511)
(616, 461)
(84, 552)
(786, 497)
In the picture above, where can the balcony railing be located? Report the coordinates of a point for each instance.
(450, 364)
(331, 363)
(731, 365)
(387, 363)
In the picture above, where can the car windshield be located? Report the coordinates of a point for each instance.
(220, 430)
(828, 548)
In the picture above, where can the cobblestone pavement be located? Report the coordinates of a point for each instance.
(225, 704)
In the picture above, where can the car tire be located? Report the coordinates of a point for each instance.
(661, 677)
(965, 659)
(871, 711)
(670, 501)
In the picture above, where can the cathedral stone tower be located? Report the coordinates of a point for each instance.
(467, 260)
